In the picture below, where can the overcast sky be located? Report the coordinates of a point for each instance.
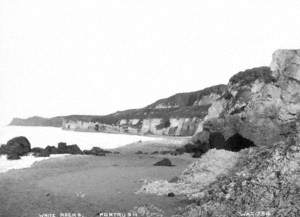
(64, 57)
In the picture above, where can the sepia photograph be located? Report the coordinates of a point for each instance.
(161, 108)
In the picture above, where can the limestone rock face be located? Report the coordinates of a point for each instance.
(286, 63)
(262, 103)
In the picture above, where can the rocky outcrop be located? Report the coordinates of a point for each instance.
(261, 104)
(63, 148)
(16, 147)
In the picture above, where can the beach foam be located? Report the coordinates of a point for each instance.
(24, 162)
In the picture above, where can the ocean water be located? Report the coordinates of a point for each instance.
(44, 136)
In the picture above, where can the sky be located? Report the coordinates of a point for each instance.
(95, 57)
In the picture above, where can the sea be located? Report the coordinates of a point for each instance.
(44, 136)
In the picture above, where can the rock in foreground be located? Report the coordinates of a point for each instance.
(16, 147)
(95, 151)
(164, 162)
(197, 176)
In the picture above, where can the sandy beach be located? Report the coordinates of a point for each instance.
(87, 185)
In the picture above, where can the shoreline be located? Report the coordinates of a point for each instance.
(147, 147)
(87, 184)
(24, 162)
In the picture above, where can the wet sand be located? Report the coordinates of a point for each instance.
(87, 185)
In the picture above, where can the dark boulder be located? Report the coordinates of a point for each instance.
(16, 147)
(171, 194)
(62, 148)
(37, 150)
(164, 162)
(73, 149)
(198, 148)
(51, 149)
(197, 154)
(13, 156)
(175, 179)
(40, 152)
(95, 151)
(43, 153)
(139, 152)
(189, 148)
(155, 152)
(179, 151)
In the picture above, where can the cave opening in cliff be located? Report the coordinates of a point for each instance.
(237, 143)
(216, 140)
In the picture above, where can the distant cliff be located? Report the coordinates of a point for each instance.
(38, 121)
(178, 115)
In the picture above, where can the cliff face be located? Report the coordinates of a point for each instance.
(178, 115)
(155, 126)
(262, 104)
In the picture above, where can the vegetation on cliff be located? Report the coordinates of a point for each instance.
(263, 74)
(190, 98)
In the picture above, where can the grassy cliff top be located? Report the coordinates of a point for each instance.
(250, 75)
(189, 98)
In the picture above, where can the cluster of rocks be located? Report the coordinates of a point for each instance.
(175, 152)
(20, 146)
